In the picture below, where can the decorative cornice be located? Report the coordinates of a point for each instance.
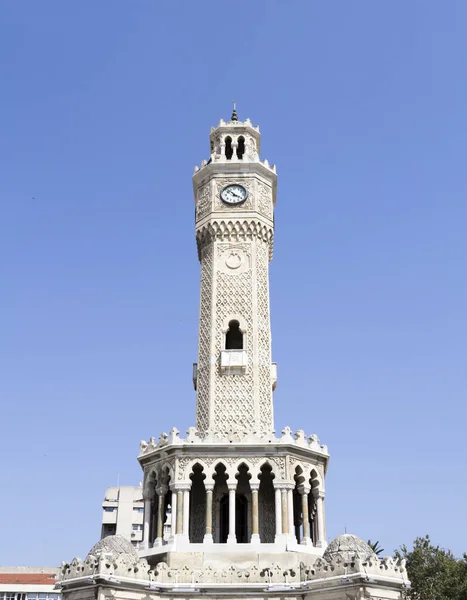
(234, 231)
(298, 440)
(386, 572)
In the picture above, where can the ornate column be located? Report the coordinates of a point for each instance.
(304, 491)
(161, 492)
(291, 527)
(278, 510)
(146, 522)
(284, 519)
(234, 148)
(179, 518)
(232, 538)
(255, 512)
(208, 539)
(186, 510)
(174, 510)
(320, 522)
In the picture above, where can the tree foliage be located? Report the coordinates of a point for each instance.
(435, 573)
(375, 546)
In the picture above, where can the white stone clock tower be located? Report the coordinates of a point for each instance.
(235, 194)
(232, 510)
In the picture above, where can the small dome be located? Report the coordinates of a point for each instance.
(350, 547)
(115, 545)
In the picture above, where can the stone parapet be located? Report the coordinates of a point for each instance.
(298, 439)
(279, 570)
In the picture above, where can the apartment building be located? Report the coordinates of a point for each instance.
(29, 583)
(123, 513)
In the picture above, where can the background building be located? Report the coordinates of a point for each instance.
(29, 583)
(123, 513)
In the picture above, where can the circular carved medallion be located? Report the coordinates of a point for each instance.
(233, 260)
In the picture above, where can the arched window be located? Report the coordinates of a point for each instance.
(234, 337)
(228, 147)
(241, 147)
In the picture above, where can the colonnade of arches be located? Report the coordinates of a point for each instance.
(213, 506)
(233, 147)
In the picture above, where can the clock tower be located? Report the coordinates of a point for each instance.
(232, 509)
(235, 194)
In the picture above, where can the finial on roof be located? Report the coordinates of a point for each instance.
(234, 112)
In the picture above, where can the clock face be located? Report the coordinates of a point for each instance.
(234, 194)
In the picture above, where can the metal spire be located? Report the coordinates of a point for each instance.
(234, 112)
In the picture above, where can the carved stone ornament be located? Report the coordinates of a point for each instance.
(234, 259)
(203, 205)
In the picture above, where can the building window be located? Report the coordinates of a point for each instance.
(234, 337)
(241, 147)
(110, 508)
(137, 527)
(138, 509)
(36, 596)
(108, 529)
(228, 148)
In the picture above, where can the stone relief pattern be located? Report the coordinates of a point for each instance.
(234, 231)
(222, 182)
(234, 409)
(251, 151)
(264, 339)
(280, 464)
(204, 201)
(182, 465)
(207, 462)
(204, 339)
(264, 200)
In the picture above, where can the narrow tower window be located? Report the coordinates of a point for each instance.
(234, 337)
(228, 147)
(241, 147)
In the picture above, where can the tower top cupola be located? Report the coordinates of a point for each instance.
(235, 140)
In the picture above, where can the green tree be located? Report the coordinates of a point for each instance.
(434, 573)
(375, 547)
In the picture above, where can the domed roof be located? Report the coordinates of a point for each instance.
(114, 545)
(350, 547)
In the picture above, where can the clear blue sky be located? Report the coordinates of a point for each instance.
(105, 108)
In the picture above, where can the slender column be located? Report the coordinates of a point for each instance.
(232, 538)
(255, 512)
(320, 525)
(174, 511)
(208, 539)
(277, 493)
(285, 523)
(186, 511)
(147, 522)
(304, 491)
(292, 535)
(161, 492)
(179, 519)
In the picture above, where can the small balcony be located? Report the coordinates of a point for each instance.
(233, 362)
